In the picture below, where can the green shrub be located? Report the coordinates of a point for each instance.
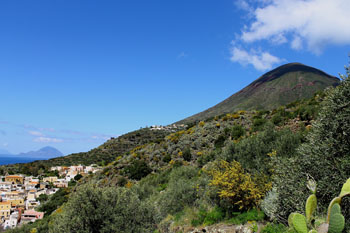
(214, 216)
(167, 158)
(258, 124)
(186, 154)
(237, 131)
(220, 141)
(180, 192)
(274, 228)
(251, 215)
(137, 170)
(208, 218)
(93, 209)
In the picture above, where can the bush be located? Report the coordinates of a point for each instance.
(258, 124)
(94, 209)
(137, 170)
(251, 215)
(55, 201)
(167, 158)
(274, 228)
(220, 141)
(186, 154)
(237, 131)
(252, 152)
(180, 192)
(238, 187)
(208, 218)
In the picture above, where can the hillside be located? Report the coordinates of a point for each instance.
(280, 86)
(101, 155)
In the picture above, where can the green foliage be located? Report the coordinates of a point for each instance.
(93, 209)
(186, 154)
(258, 124)
(167, 158)
(274, 228)
(324, 156)
(137, 170)
(55, 201)
(180, 192)
(208, 217)
(42, 198)
(237, 131)
(78, 177)
(220, 141)
(252, 151)
(251, 215)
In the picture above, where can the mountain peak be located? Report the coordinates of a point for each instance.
(280, 86)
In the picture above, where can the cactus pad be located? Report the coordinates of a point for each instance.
(299, 223)
(311, 205)
(336, 221)
(346, 189)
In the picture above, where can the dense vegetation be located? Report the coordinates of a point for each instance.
(246, 167)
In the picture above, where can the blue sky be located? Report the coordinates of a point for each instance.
(74, 73)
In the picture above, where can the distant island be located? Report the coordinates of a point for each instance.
(47, 152)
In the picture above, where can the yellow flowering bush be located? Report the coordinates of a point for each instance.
(238, 187)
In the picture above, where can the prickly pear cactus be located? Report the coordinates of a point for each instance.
(311, 205)
(290, 220)
(299, 223)
(346, 189)
(336, 221)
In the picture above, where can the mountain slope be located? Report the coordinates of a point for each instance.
(280, 86)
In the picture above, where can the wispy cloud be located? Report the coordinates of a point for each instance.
(260, 60)
(36, 133)
(48, 139)
(182, 55)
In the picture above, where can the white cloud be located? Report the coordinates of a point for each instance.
(182, 55)
(263, 61)
(297, 43)
(36, 133)
(318, 23)
(47, 139)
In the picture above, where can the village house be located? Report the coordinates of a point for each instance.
(5, 209)
(50, 179)
(14, 179)
(31, 216)
(12, 221)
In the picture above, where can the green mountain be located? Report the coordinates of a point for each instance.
(280, 86)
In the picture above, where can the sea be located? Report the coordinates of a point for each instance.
(12, 160)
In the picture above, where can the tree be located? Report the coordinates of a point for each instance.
(92, 209)
(78, 177)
